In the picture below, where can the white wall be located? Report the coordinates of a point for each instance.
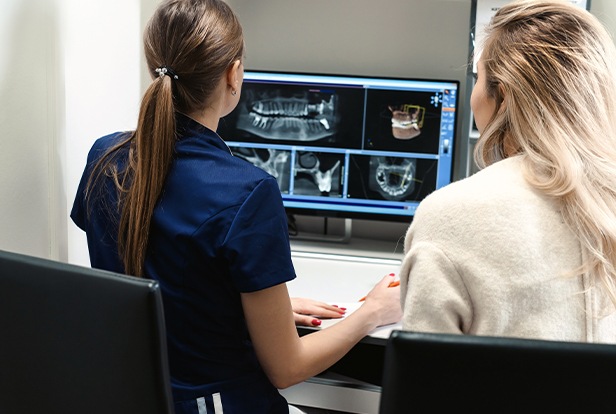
(28, 126)
(605, 10)
(101, 55)
(70, 71)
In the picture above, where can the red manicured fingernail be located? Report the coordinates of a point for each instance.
(342, 309)
(392, 274)
(316, 322)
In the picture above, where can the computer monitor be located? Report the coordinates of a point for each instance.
(347, 146)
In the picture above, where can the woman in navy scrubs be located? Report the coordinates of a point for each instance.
(169, 201)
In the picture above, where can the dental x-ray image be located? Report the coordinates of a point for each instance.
(276, 162)
(296, 115)
(393, 178)
(318, 174)
(301, 116)
(390, 178)
(403, 121)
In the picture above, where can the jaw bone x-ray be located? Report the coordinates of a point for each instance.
(318, 173)
(276, 162)
(301, 115)
(392, 177)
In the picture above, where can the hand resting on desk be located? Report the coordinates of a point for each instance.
(307, 311)
(288, 358)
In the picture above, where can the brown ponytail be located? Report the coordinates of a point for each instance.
(196, 40)
(150, 156)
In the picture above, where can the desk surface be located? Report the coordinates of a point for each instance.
(340, 280)
(341, 275)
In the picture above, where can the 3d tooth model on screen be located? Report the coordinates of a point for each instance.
(407, 121)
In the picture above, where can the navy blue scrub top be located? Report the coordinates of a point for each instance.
(219, 229)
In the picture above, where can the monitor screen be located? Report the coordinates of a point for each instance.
(347, 146)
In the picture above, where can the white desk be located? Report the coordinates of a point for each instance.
(341, 275)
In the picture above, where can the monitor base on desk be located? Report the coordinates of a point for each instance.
(324, 237)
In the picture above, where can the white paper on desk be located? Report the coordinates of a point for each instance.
(380, 332)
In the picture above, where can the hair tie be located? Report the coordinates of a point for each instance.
(163, 70)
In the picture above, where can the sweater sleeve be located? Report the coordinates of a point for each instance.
(434, 297)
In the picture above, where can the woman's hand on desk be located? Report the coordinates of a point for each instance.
(307, 311)
(288, 358)
(383, 302)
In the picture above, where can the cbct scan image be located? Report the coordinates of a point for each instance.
(300, 115)
(295, 114)
(275, 162)
(318, 174)
(393, 178)
(390, 178)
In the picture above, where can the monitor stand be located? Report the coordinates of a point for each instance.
(345, 237)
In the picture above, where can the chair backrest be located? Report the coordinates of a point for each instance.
(426, 372)
(76, 340)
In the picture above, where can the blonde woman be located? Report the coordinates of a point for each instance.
(527, 246)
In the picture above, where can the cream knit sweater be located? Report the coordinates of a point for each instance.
(489, 255)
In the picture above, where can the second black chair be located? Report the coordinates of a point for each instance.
(426, 373)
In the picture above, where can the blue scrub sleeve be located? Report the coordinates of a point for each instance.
(78, 212)
(257, 245)
(98, 149)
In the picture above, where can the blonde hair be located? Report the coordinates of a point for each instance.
(197, 40)
(550, 67)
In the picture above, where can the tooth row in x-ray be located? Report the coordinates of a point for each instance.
(307, 118)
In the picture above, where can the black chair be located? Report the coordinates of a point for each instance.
(74, 340)
(456, 373)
